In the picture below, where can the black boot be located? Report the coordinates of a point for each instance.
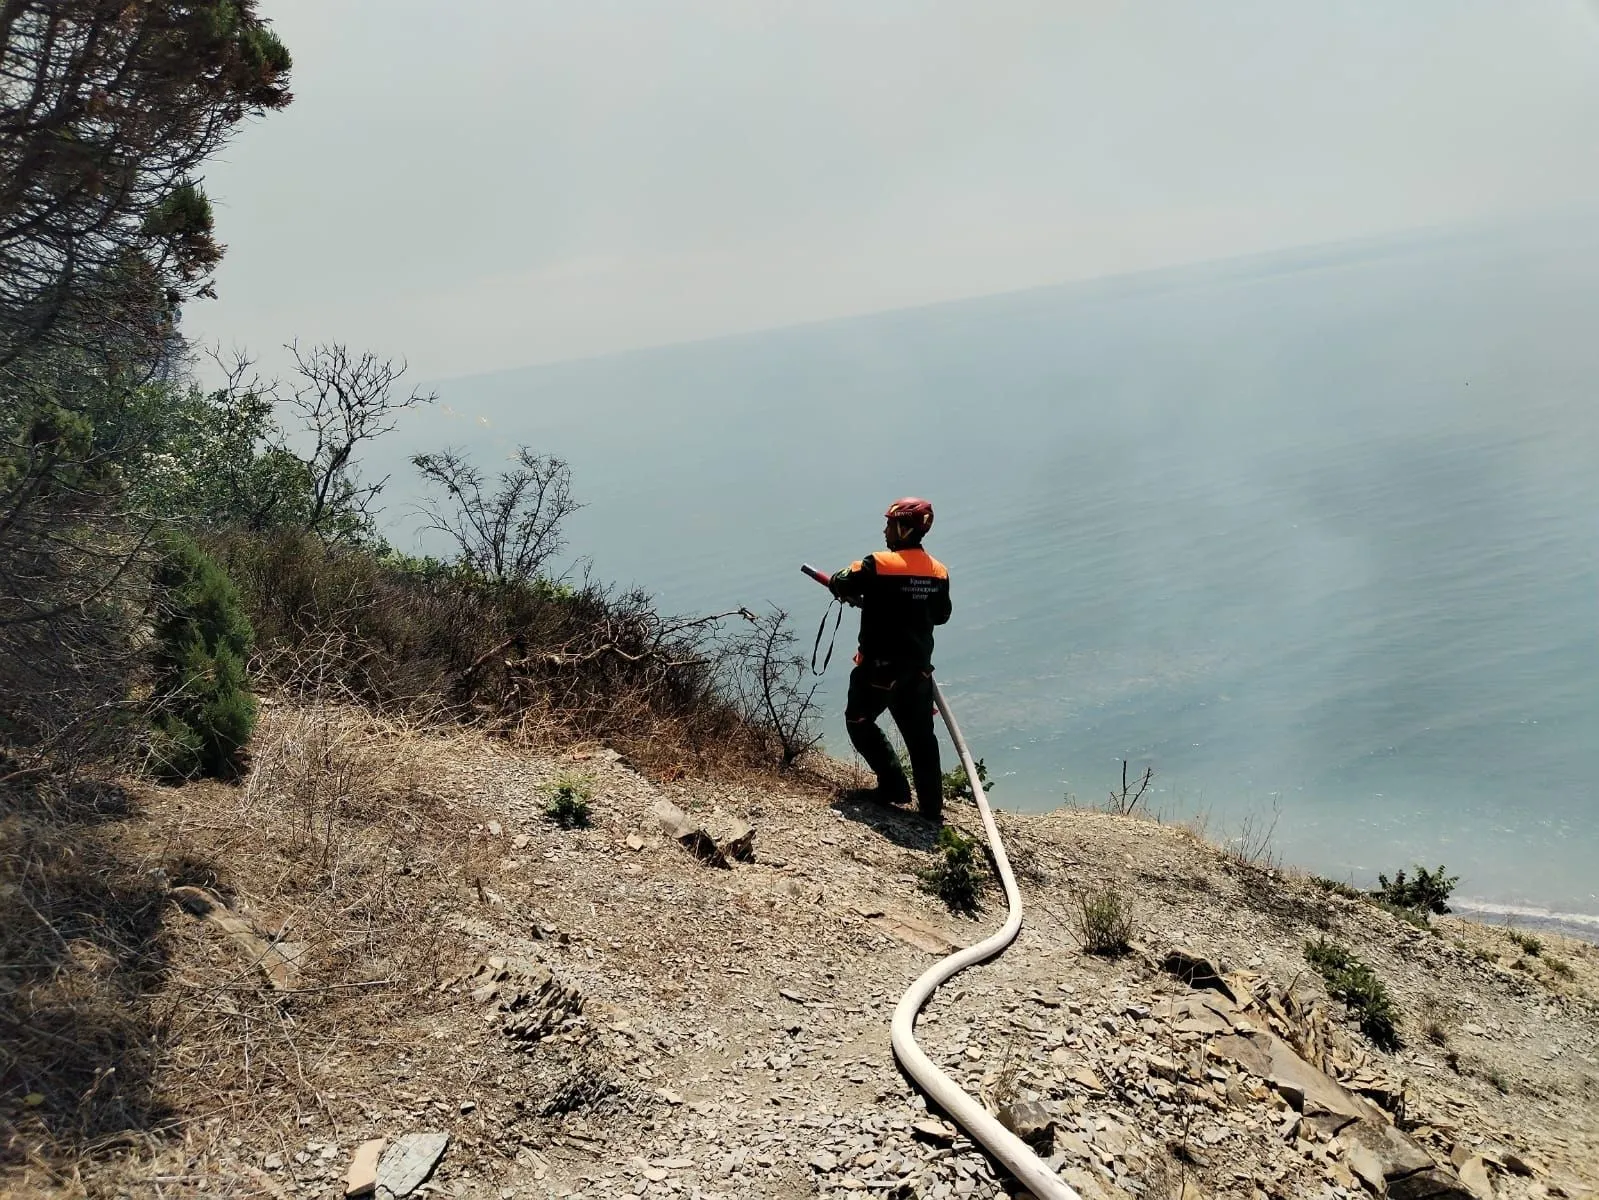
(890, 793)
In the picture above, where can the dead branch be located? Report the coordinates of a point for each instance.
(1124, 801)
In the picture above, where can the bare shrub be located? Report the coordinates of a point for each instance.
(315, 774)
(776, 694)
(1255, 844)
(508, 534)
(344, 400)
(1124, 801)
(532, 660)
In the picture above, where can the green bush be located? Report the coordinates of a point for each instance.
(568, 799)
(201, 711)
(1426, 893)
(955, 876)
(1356, 984)
(957, 787)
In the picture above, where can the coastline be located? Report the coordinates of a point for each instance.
(1579, 926)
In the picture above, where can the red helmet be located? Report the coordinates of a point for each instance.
(914, 513)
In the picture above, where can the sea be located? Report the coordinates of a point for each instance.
(1313, 535)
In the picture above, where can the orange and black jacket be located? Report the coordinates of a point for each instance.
(902, 594)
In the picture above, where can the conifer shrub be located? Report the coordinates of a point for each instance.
(202, 713)
(567, 801)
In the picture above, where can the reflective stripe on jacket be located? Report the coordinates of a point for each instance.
(902, 594)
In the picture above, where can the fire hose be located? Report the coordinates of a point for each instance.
(977, 1121)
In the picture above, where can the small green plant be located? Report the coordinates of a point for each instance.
(201, 714)
(1327, 956)
(955, 875)
(1559, 966)
(1497, 1078)
(1352, 981)
(1336, 888)
(1427, 892)
(1103, 923)
(568, 799)
(958, 787)
(1528, 943)
(1409, 916)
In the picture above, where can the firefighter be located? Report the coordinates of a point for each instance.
(902, 593)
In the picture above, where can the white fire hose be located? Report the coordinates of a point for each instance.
(1004, 1145)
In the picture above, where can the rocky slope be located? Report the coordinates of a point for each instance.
(597, 1012)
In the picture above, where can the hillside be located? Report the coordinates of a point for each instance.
(410, 945)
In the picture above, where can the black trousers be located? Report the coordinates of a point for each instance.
(907, 695)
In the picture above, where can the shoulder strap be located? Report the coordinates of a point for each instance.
(817, 644)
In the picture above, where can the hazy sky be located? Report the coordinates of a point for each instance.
(490, 183)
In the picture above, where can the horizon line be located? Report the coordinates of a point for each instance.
(1297, 256)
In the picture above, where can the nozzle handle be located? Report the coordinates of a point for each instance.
(821, 577)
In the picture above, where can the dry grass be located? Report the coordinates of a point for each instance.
(80, 960)
(1255, 844)
(1003, 1087)
(1435, 1021)
(1102, 922)
(333, 845)
(121, 1010)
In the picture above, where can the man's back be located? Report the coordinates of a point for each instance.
(902, 594)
